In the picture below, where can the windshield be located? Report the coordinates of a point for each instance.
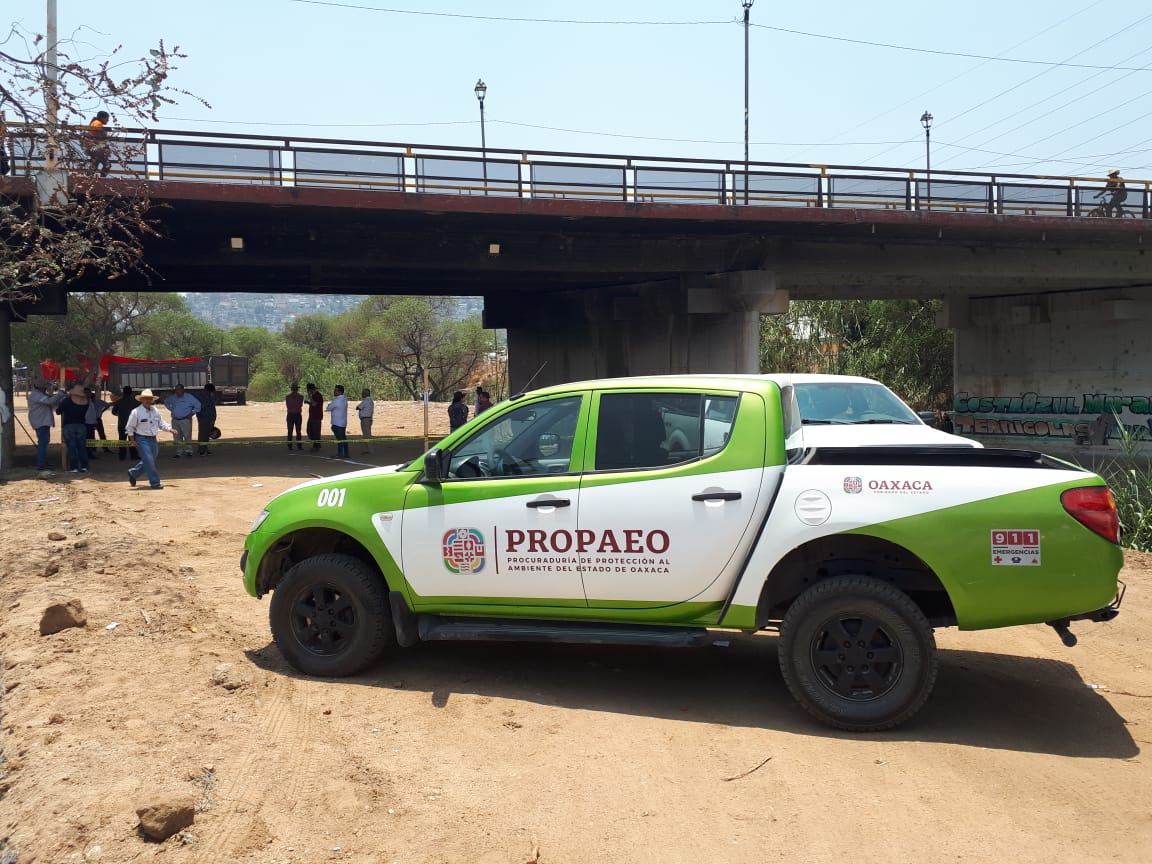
(851, 402)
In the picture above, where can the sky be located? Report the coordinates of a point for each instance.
(1060, 88)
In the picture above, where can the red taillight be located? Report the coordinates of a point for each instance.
(1094, 508)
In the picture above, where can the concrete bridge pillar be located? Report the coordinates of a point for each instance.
(691, 324)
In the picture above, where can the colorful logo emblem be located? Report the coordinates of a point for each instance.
(464, 550)
(853, 485)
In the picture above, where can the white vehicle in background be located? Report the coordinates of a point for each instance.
(850, 411)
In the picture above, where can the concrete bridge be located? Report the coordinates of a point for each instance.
(603, 265)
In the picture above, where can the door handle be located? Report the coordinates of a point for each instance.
(549, 502)
(716, 496)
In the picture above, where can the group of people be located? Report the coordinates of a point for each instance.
(338, 407)
(138, 424)
(458, 409)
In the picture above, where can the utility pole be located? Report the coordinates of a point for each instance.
(926, 122)
(747, 12)
(51, 99)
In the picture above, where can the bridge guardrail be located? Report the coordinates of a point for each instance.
(177, 155)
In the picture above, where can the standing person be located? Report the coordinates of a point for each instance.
(457, 411)
(483, 401)
(315, 415)
(73, 413)
(206, 419)
(5, 414)
(94, 420)
(121, 408)
(364, 410)
(294, 411)
(339, 408)
(42, 417)
(144, 424)
(96, 144)
(183, 406)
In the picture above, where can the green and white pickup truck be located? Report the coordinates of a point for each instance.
(564, 515)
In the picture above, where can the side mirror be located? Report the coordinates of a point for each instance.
(436, 465)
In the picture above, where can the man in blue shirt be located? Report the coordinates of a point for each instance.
(184, 406)
(339, 408)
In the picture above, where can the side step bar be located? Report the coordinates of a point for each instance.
(412, 628)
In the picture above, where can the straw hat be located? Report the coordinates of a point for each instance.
(146, 393)
(1115, 172)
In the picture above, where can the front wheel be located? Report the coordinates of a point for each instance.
(857, 654)
(330, 616)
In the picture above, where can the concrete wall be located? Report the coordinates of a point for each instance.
(1055, 372)
(693, 324)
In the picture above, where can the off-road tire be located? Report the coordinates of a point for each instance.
(330, 616)
(857, 654)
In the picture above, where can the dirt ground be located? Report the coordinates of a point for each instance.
(454, 752)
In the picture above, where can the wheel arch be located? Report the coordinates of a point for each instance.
(853, 555)
(302, 543)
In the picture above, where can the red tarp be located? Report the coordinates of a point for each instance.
(50, 369)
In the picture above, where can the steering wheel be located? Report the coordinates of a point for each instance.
(506, 464)
(470, 468)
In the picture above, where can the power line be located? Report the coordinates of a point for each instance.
(626, 23)
(507, 19)
(971, 69)
(946, 53)
(526, 126)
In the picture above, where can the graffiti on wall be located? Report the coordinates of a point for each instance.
(1091, 418)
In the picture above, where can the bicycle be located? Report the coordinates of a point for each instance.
(1101, 210)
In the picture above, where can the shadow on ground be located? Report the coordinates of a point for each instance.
(995, 701)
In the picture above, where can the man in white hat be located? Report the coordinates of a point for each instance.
(144, 424)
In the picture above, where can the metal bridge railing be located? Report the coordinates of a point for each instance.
(175, 156)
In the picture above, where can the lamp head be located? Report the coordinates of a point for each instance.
(926, 120)
(481, 89)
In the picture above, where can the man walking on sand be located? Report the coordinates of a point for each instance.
(144, 424)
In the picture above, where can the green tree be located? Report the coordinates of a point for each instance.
(172, 333)
(404, 336)
(312, 332)
(248, 341)
(96, 324)
(894, 341)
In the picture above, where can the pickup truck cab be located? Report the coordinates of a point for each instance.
(570, 513)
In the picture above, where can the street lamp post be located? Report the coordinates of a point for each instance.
(481, 91)
(926, 122)
(747, 4)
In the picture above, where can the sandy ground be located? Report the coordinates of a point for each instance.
(453, 752)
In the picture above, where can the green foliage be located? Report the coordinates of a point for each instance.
(404, 336)
(894, 341)
(96, 324)
(169, 333)
(248, 341)
(1129, 476)
(311, 332)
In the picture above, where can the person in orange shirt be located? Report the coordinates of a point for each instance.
(96, 144)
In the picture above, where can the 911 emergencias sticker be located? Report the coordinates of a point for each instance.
(1015, 547)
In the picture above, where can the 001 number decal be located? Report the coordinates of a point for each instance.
(331, 498)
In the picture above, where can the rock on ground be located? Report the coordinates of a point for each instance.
(61, 616)
(163, 817)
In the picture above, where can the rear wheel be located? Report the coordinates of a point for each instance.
(330, 616)
(857, 654)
